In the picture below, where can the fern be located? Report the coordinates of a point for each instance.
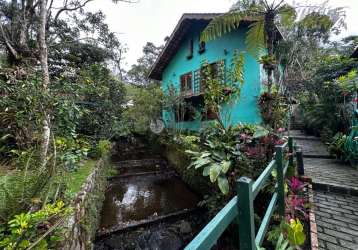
(255, 38)
(221, 25)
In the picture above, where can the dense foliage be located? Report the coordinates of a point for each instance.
(25, 229)
(327, 102)
(60, 102)
(65, 98)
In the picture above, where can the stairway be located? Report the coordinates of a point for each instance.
(296, 121)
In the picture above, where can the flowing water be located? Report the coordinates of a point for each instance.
(138, 198)
(146, 205)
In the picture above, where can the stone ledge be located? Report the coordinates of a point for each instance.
(81, 225)
(338, 189)
(311, 156)
(137, 163)
(312, 217)
(157, 219)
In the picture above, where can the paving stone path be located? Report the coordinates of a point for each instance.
(337, 220)
(335, 195)
(332, 175)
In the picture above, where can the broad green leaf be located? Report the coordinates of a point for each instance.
(274, 173)
(219, 155)
(192, 152)
(223, 184)
(201, 162)
(296, 235)
(206, 171)
(225, 166)
(205, 154)
(215, 170)
(260, 132)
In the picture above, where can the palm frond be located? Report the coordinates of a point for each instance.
(221, 25)
(255, 38)
(287, 15)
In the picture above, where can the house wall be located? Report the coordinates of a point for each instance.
(246, 109)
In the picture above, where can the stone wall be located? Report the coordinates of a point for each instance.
(83, 223)
(180, 162)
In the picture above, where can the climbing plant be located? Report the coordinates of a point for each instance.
(222, 86)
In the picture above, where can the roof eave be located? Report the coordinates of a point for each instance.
(155, 73)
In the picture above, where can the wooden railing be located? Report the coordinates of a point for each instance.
(241, 207)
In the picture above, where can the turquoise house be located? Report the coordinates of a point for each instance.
(179, 67)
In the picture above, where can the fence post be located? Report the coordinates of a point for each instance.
(300, 165)
(280, 181)
(290, 150)
(246, 214)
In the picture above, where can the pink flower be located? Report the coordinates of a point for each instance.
(280, 142)
(297, 202)
(295, 184)
(280, 130)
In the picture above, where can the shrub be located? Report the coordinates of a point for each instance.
(274, 109)
(102, 149)
(26, 229)
(71, 151)
(336, 147)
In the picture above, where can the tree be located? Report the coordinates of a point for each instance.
(306, 40)
(309, 23)
(28, 28)
(262, 33)
(138, 74)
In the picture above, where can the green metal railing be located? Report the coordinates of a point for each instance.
(241, 207)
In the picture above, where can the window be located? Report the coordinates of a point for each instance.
(190, 49)
(184, 112)
(208, 71)
(185, 84)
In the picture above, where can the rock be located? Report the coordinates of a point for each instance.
(159, 240)
(113, 243)
(185, 227)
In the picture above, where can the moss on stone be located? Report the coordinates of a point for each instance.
(193, 178)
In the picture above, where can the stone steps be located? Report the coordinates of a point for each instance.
(311, 146)
(138, 163)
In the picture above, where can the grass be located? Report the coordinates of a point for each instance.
(76, 179)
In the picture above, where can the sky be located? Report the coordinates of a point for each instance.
(153, 20)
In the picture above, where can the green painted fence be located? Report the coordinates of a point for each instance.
(241, 207)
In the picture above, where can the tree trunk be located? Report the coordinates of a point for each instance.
(270, 34)
(45, 78)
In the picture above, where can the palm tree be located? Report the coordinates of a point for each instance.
(262, 33)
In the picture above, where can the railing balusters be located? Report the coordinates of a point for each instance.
(280, 181)
(246, 214)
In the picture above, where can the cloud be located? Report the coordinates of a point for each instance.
(153, 20)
